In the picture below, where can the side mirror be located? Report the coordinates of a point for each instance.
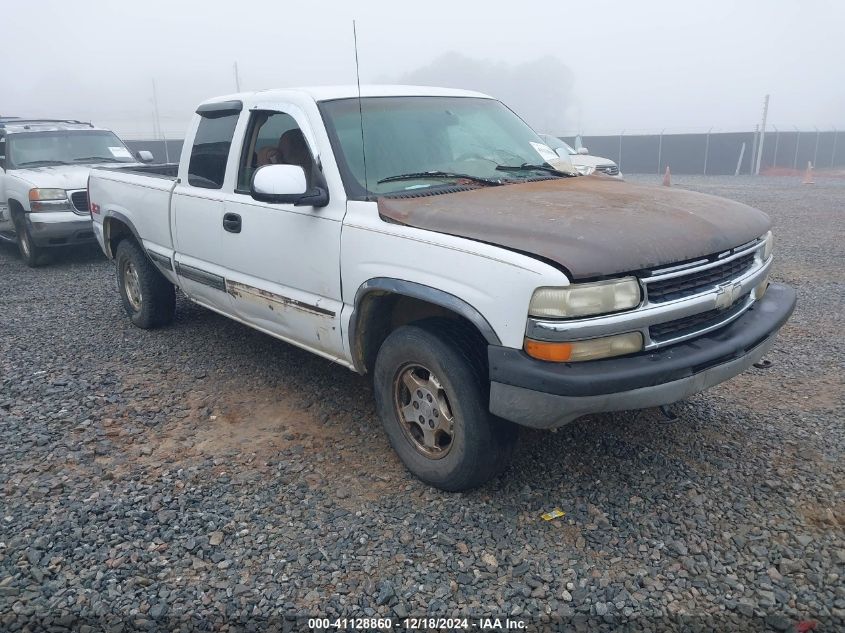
(145, 156)
(285, 184)
(583, 151)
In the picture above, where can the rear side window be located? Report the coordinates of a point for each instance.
(211, 150)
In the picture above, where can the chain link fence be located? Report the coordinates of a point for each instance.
(718, 153)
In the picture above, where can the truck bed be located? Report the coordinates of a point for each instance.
(164, 170)
(138, 196)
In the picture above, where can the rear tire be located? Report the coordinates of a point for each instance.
(32, 255)
(431, 392)
(148, 297)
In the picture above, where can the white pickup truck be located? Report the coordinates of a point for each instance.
(44, 165)
(426, 237)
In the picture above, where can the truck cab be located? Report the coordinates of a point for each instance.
(44, 167)
(429, 239)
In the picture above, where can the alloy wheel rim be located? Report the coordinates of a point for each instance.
(424, 411)
(132, 284)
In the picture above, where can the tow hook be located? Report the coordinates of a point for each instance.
(668, 413)
(763, 364)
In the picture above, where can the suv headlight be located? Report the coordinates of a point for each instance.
(601, 297)
(769, 245)
(49, 200)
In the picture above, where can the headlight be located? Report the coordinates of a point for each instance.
(589, 349)
(585, 170)
(769, 245)
(578, 300)
(49, 200)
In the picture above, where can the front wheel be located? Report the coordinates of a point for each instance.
(31, 254)
(431, 395)
(148, 297)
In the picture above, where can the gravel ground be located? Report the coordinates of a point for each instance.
(206, 472)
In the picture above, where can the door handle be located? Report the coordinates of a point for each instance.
(232, 222)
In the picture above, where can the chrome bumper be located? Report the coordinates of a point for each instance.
(59, 228)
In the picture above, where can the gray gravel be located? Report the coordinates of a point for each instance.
(206, 472)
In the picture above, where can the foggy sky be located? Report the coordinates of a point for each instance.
(593, 67)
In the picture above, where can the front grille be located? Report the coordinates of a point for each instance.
(695, 323)
(80, 202)
(610, 170)
(698, 281)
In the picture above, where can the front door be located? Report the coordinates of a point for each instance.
(283, 261)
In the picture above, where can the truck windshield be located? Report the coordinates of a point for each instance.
(33, 149)
(407, 137)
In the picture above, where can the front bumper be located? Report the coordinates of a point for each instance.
(546, 395)
(59, 228)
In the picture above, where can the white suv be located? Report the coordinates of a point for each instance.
(581, 159)
(44, 167)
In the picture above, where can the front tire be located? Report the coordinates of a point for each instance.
(431, 394)
(32, 255)
(148, 297)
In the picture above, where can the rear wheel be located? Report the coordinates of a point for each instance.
(31, 254)
(148, 297)
(431, 394)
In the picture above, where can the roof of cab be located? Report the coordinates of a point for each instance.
(328, 93)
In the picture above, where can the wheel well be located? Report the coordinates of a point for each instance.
(380, 313)
(114, 231)
(15, 206)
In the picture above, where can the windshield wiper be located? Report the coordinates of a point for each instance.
(41, 163)
(422, 175)
(531, 167)
(107, 159)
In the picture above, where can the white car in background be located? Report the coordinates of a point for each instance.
(44, 165)
(581, 159)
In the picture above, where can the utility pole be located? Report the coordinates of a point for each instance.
(777, 138)
(816, 151)
(833, 151)
(754, 149)
(797, 142)
(620, 149)
(707, 149)
(660, 152)
(762, 136)
(160, 132)
(237, 78)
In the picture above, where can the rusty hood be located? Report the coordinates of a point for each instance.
(592, 226)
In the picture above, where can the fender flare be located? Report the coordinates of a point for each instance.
(419, 291)
(123, 219)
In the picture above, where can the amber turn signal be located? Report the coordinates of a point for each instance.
(543, 350)
(589, 349)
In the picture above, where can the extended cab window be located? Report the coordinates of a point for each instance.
(274, 138)
(210, 152)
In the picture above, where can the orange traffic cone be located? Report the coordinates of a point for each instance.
(808, 175)
(667, 178)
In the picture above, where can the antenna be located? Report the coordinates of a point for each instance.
(237, 78)
(360, 109)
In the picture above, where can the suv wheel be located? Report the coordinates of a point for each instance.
(148, 297)
(31, 254)
(431, 394)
